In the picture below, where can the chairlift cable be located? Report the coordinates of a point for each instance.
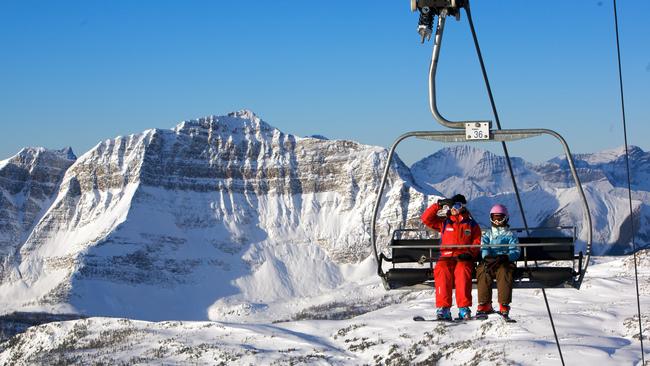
(507, 156)
(496, 114)
(629, 184)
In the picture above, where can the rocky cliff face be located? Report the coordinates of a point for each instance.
(28, 183)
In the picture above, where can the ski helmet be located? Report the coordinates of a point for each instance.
(499, 215)
(459, 198)
(499, 209)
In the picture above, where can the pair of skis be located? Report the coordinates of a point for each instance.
(481, 316)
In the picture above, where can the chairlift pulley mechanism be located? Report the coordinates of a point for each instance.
(428, 9)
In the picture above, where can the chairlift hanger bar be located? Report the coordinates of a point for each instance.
(442, 8)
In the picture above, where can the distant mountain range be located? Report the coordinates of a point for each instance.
(228, 216)
(549, 196)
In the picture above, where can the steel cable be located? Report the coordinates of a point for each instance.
(507, 156)
(629, 181)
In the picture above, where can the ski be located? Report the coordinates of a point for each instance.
(484, 316)
(463, 319)
(419, 318)
(507, 318)
(481, 316)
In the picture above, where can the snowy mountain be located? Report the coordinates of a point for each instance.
(548, 193)
(214, 218)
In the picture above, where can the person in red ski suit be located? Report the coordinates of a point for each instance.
(454, 268)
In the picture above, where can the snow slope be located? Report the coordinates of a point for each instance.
(595, 325)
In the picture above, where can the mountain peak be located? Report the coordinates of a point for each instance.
(245, 114)
(68, 153)
(31, 153)
(457, 160)
(232, 122)
(603, 157)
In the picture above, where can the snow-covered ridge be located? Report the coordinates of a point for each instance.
(548, 192)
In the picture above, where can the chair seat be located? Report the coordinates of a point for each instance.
(408, 276)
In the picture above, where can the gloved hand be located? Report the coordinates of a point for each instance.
(445, 205)
(492, 264)
(465, 257)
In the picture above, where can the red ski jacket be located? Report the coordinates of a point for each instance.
(460, 229)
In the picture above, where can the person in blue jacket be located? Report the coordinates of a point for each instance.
(497, 262)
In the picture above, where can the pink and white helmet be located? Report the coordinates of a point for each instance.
(499, 209)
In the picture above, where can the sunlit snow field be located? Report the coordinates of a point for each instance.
(595, 325)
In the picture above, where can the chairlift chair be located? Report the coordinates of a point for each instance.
(414, 252)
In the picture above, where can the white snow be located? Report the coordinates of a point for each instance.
(595, 325)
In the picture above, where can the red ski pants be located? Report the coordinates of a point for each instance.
(450, 273)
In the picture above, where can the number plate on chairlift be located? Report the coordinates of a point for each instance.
(477, 131)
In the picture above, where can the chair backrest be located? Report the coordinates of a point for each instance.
(408, 255)
(542, 248)
(558, 248)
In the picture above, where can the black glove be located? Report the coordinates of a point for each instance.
(465, 257)
(445, 202)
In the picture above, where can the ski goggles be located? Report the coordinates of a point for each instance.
(457, 206)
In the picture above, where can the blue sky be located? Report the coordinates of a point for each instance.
(73, 73)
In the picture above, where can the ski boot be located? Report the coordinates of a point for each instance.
(483, 310)
(504, 310)
(443, 314)
(464, 313)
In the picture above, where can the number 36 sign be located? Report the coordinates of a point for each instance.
(477, 130)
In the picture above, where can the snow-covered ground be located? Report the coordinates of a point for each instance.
(595, 325)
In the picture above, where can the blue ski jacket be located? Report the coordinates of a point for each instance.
(500, 235)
